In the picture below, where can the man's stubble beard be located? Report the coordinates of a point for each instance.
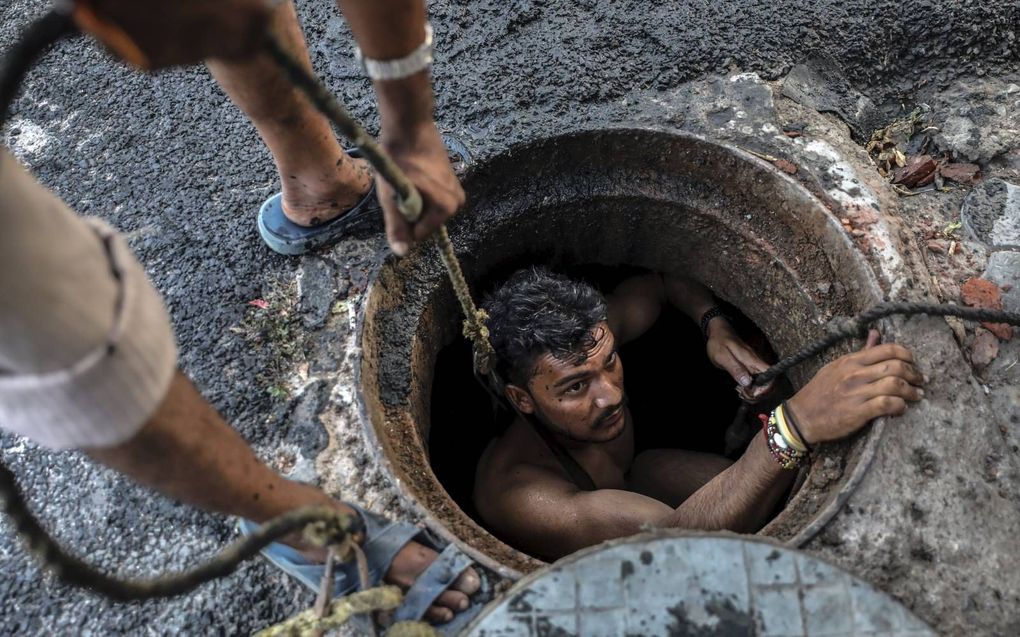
(548, 424)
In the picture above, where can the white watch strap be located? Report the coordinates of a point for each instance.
(417, 60)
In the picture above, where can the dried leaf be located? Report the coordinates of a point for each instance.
(951, 229)
(259, 303)
(918, 171)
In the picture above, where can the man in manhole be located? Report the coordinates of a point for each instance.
(565, 474)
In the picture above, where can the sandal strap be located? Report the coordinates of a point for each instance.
(440, 574)
(384, 538)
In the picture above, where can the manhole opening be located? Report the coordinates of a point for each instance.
(679, 400)
(668, 203)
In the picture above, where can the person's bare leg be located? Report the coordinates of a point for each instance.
(673, 475)
(319, 180)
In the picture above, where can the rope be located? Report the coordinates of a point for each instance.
(408, 199)
(339, 611)
(75, 572)
(474, 329)
(857, 326)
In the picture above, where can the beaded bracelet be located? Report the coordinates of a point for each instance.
(781, 449)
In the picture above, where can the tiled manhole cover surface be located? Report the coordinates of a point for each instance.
(704, 585)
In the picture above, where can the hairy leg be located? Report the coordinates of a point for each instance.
(673, 475)
(319, 180)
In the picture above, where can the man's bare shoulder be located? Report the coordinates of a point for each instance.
(514, 465)
(517, 454)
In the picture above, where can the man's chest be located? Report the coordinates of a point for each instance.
(609, 463)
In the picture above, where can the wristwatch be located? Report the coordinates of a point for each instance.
(398, 69)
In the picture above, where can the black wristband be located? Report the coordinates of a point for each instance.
(713, 312)
(792, 421)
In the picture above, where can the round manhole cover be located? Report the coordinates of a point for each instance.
(694, 584)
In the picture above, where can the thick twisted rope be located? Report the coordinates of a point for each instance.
(338, 612)
(857, 326)
(71, 570)
(474, 329)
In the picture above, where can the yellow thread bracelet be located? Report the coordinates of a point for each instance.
(787, 432)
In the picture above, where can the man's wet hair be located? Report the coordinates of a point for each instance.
(537, 311)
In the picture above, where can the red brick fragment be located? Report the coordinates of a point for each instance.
(984, 294)
(967, 174)
(786, 166)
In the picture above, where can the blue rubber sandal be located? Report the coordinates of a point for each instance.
(286, 237)
(383, 540)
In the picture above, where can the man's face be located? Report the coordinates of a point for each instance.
(582, 400)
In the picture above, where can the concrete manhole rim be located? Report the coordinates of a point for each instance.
(862, 454)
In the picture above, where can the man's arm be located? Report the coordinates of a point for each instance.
(387, 30)
(187, 452)
(635, 305)
(550, 517)
(689, 296)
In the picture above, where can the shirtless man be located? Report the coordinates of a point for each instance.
(565, 476)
